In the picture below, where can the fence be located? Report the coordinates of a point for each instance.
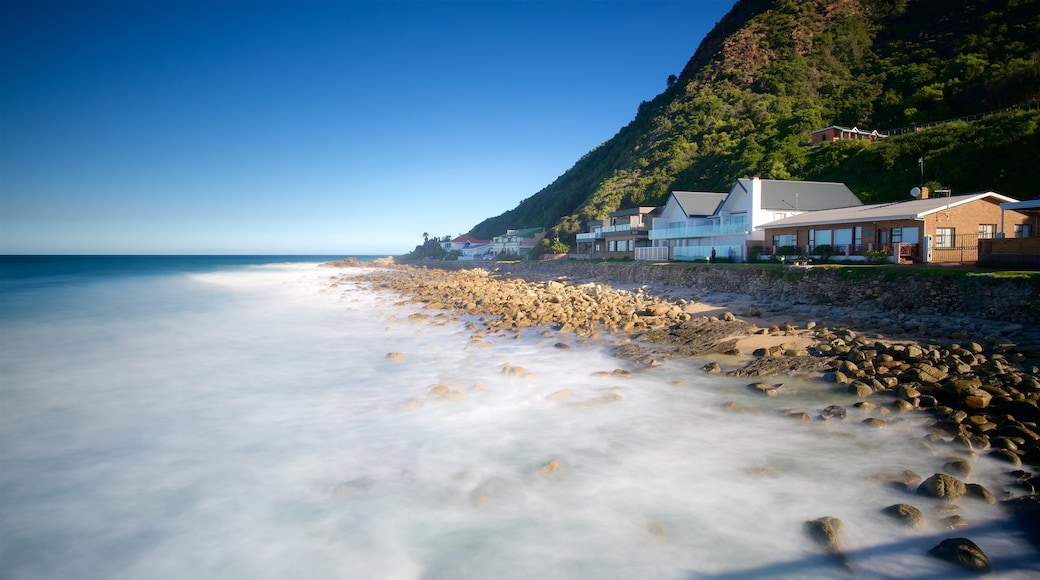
(964, 248)
(658, 254)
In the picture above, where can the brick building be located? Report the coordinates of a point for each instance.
(927, 229)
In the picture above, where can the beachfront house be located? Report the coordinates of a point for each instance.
(618, 236)
(468, 247)
(1020, 245)
(516, 242)
(927, 229)
(732, 226)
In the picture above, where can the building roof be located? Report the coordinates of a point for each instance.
(1027, 205)
(850, 130)
(698, 203)
(464, 238)
(634, 211)
(897, 210)
(522, 233)
(803, 195)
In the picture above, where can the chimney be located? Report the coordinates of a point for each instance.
(924, 192)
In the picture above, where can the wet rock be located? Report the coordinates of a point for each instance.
(909, 515)
(712, 367)
(1006, 456)
(977, 491)
(954, 522)
(958, 467)
(907, 480)
(942, 486)
(875, 422)
(395, 356)
(962, 552)
(834, 412)
(550, 467)
(1026, 513)
(826, 533)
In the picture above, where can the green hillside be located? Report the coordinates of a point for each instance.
(772, 71)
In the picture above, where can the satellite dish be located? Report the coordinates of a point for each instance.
(916, 192)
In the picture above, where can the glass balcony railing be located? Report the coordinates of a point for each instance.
(704, 231)
(618, 229)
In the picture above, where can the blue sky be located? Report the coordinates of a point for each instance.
(314, 126)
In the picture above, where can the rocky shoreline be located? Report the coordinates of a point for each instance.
(980, 390)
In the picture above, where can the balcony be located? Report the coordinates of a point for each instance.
(704, 231)
(605, 230)
(618, 229)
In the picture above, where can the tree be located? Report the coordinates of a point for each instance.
(672, 79)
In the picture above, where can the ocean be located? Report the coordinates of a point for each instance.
(239, 417)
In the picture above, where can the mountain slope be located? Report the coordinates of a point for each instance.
(772, 71)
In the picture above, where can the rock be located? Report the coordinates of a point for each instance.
(929, 374)
(875, 422)
(954, 523)
(942, 486)
(909, 515)
(562, 345)
(395, 356)
(962, 552)
(1006, 455)
(1026, 513)
(906, 481)
(860, 389)
(976, 398)
(958, 467)
(550, 467)
(559, 395)
(712, 367)
(978, 491)
(826, 532)
(834, 412)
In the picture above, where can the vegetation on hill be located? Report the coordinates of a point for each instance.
(772, 71)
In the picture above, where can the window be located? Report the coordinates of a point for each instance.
(1023, 230)
(842, 239)
(987, 231)
(857, 236)
(944, 237)
(785, 240)
(897, 235)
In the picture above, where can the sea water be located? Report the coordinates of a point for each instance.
(238, 417)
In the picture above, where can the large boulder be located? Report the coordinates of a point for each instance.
(942, 486)
(962, 552)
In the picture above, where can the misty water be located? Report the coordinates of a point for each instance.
(244, 421)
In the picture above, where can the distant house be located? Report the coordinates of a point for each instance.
(731, 226)
(928, 229)
(836, 133)
(617, 236)
(468, 247)
(517, 242)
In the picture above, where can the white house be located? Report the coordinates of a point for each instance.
(731, 227)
